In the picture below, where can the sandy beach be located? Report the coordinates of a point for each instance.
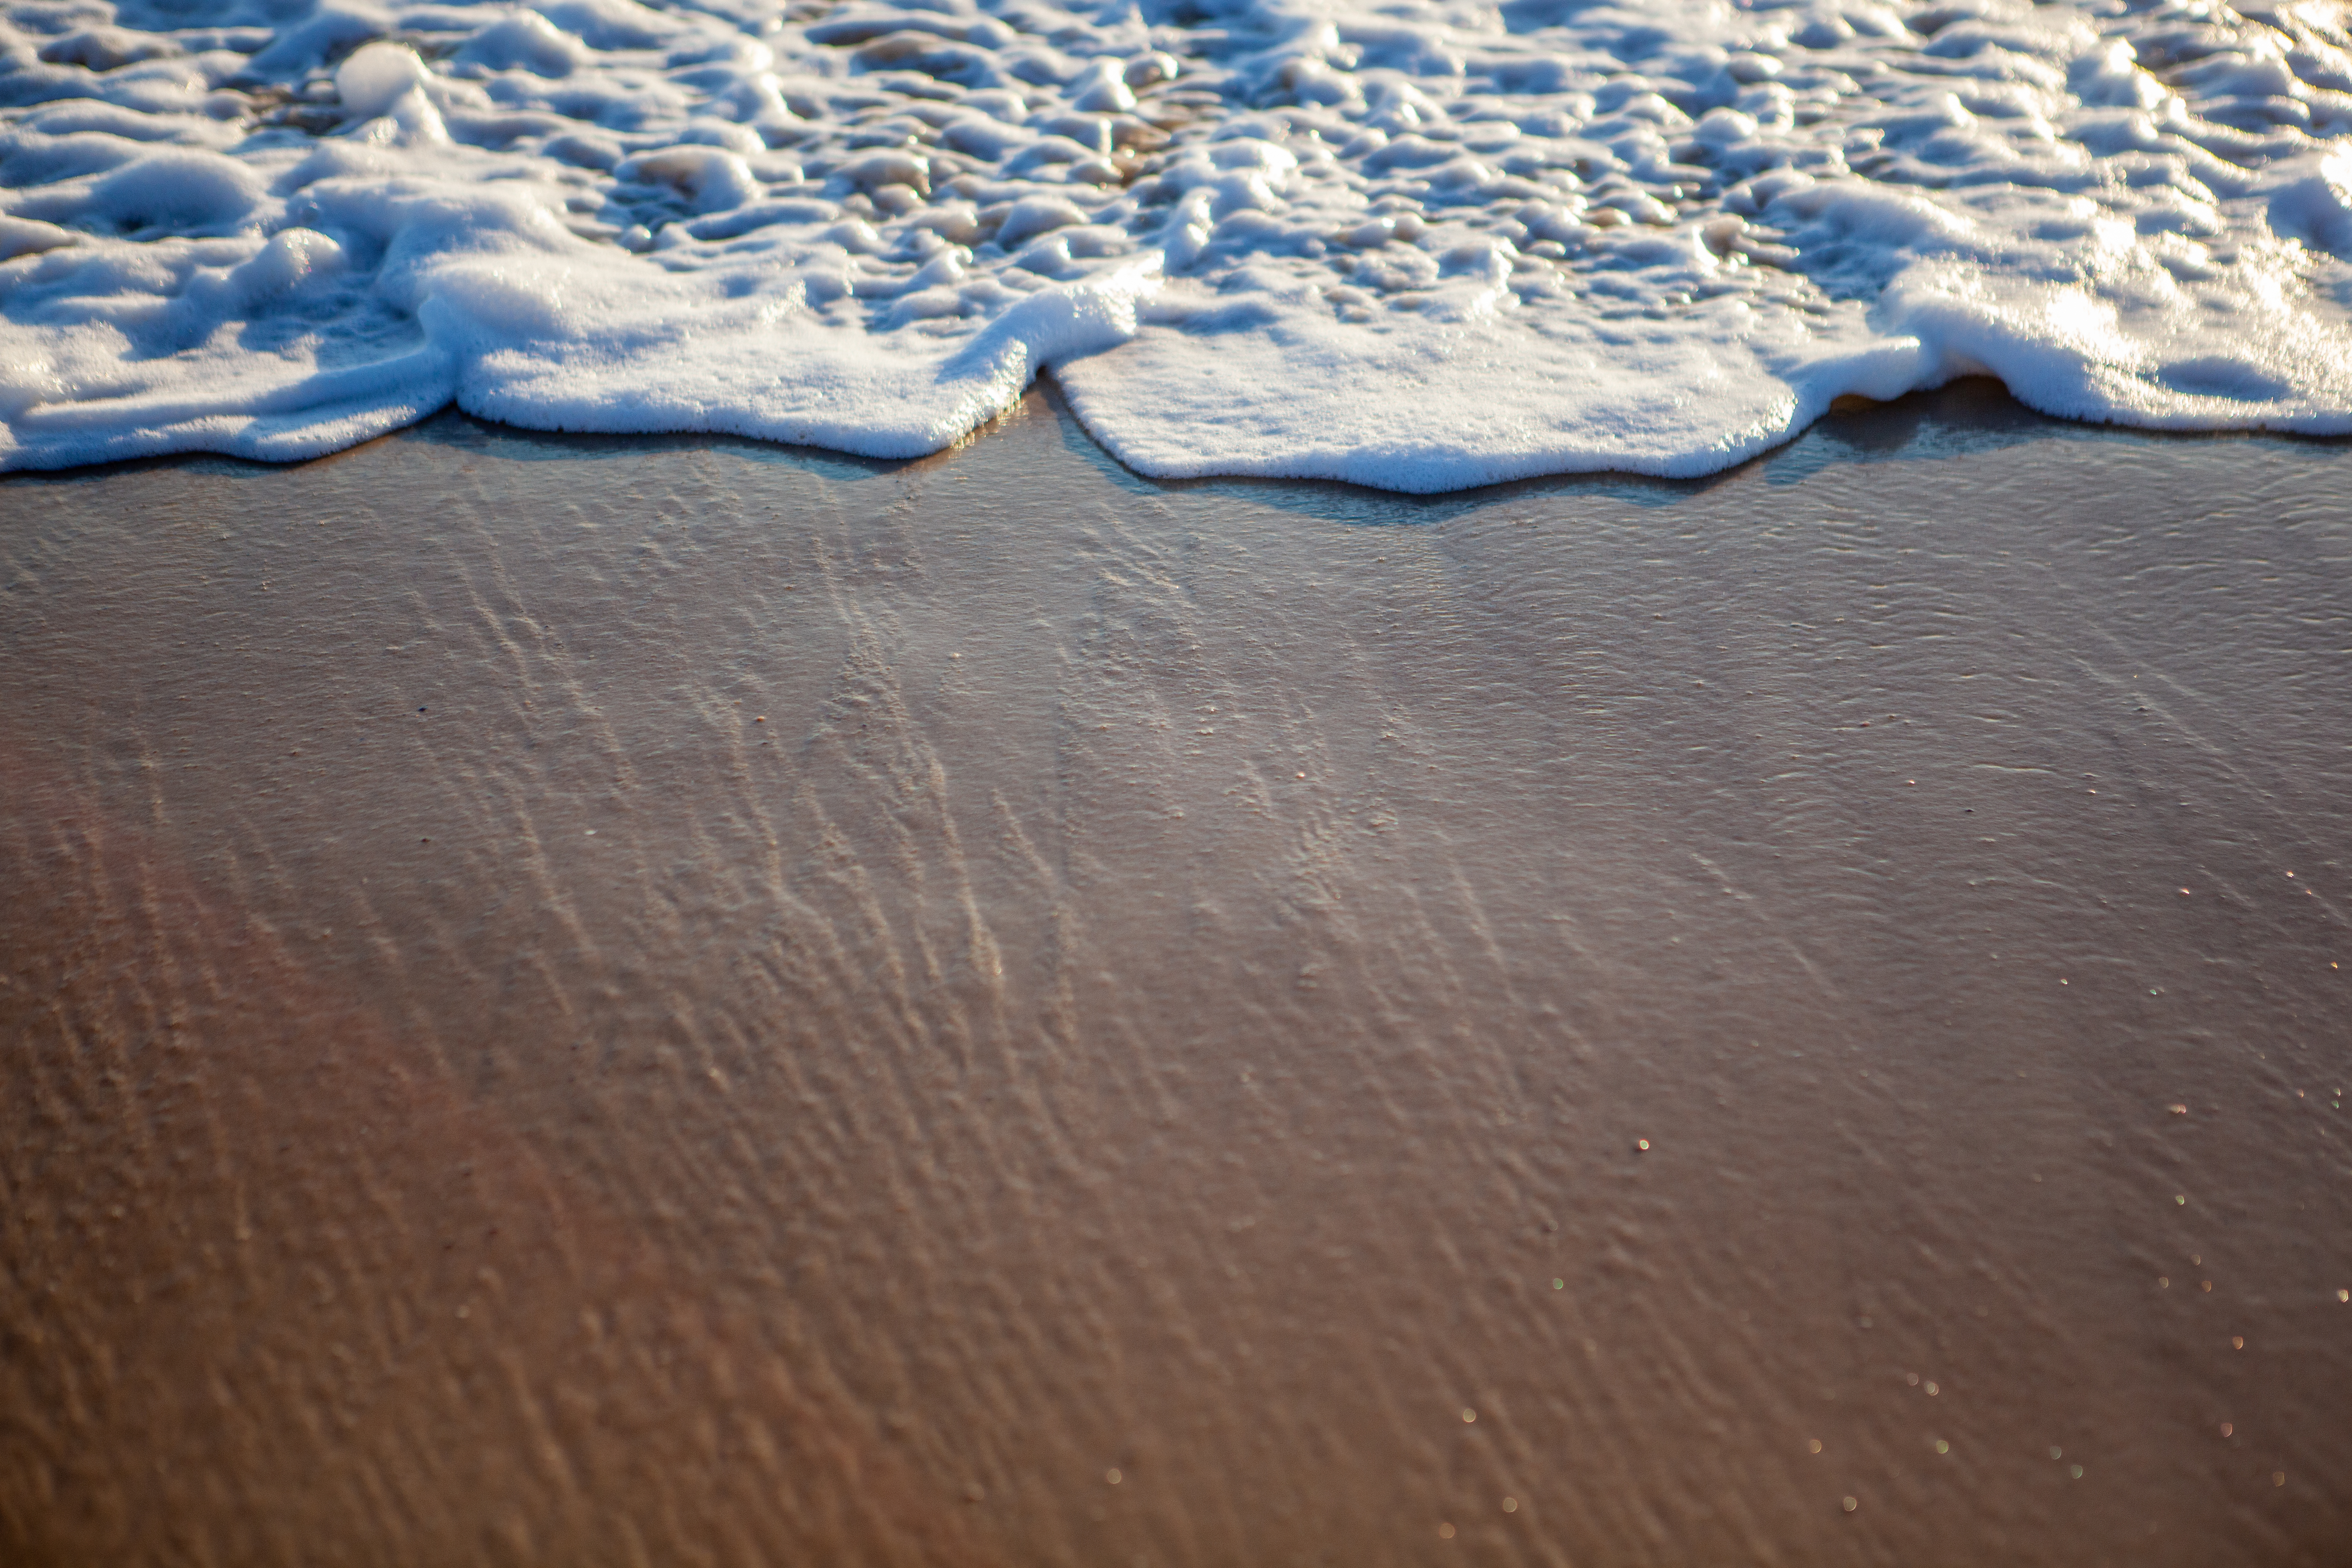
(665, 1001)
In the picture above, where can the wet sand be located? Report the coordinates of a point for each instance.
(648, 1002)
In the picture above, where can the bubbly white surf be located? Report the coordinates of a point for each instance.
(1414, 244)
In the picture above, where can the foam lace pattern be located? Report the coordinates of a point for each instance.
(1414, 244)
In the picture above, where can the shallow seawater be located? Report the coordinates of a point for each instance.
(1418, 246)
(572, 999)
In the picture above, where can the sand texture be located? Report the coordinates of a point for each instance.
(650, 1002)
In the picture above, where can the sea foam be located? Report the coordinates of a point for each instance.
(1418, 246)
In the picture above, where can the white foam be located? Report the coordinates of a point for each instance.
(1410, 244)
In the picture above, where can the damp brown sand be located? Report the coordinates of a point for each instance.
(643, 1001)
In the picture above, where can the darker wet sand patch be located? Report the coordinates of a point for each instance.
(668, 1001)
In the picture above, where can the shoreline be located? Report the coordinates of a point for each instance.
(1984, 395)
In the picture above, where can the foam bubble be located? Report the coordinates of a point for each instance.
(378, 76)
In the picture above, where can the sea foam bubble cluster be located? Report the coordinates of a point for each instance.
(1412, 244)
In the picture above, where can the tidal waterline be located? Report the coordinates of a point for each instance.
(644, 1000)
